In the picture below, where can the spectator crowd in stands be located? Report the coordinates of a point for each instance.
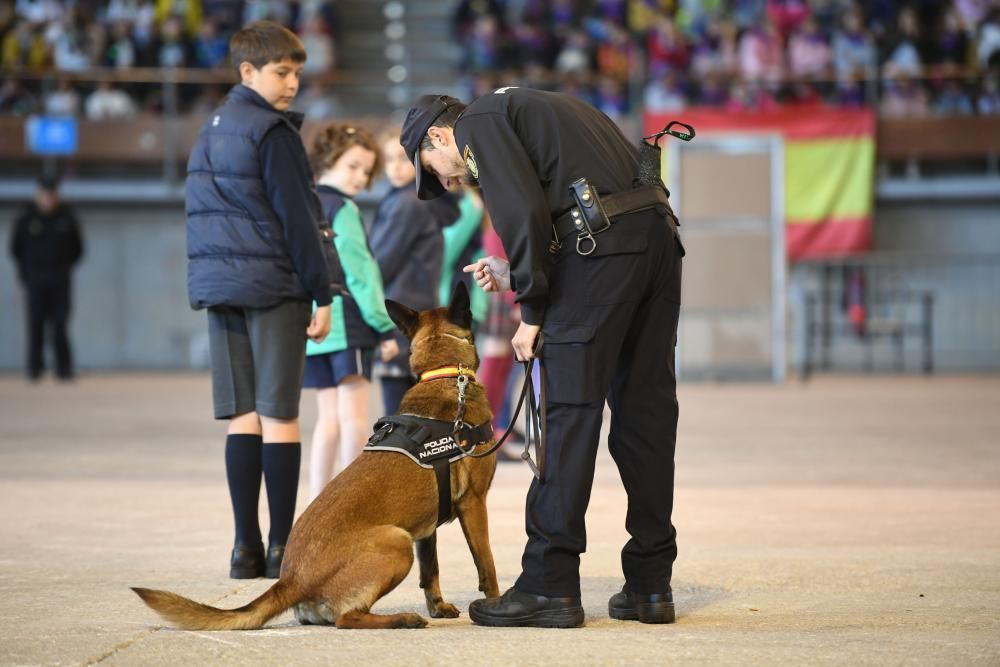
(918, 57)
(910, 57)
(71, 36)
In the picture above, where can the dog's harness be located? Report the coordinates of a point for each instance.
(433, 443)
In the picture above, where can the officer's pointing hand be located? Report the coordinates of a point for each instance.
(491, 273)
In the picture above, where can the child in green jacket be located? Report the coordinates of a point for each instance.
(345, 159)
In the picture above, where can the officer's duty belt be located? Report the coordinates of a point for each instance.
(617, 204)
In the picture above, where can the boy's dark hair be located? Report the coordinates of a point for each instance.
(446, 119)
(334, 140)
(263, 42)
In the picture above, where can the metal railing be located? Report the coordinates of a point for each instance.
(898, 312)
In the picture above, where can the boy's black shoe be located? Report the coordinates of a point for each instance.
(247, 562)
(275, 552)
(642, 607)
(517, 609)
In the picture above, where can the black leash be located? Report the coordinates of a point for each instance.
(534, 419)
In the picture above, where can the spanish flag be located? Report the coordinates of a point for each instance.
(829, 171)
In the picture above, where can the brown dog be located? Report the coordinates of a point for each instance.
(354, 543)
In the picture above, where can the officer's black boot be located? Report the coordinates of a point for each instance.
(642, 607)
(517, 609)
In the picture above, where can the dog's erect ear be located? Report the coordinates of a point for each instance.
(459, 311)
(405, 318)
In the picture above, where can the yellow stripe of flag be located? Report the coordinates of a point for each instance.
(827, 179)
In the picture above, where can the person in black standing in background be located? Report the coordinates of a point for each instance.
(595, 260)
(46, 244)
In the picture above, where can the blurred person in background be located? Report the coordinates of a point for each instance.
(121, 51)
(24, 46)
(988, 102)
(64, 100)
(988, 43)
(345, 160)
(714, 49)
(666, 47)
(949, 44)
(760, 53)
(173, 48)
(575, 56)
(71, 40)
(854, 51)
(665, 93)
(809, 54)
(188, 12)
(109, 103)
(903, 97)
(408, 245)
(318, 39)
(15, 99)
(787, 15)
(496, 353)
(611, 97)
(951, 99)
(211, 48)
(46, 244)
(901, 51)
(463, 244)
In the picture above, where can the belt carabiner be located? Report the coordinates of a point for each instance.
(585, 237)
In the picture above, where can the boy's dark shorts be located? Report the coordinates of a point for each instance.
(258, 355)
(330, 369)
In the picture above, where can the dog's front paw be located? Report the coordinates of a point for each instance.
(444, 610)
(411, 621)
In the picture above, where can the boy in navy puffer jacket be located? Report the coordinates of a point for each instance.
(256, 263)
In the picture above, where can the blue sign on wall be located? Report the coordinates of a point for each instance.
(51, 135)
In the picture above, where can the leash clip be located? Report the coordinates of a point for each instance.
(380, 434)
(462, 384)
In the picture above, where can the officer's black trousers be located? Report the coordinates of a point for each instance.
(48, 307)
(610, 332)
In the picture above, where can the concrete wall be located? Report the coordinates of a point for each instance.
(938, 227)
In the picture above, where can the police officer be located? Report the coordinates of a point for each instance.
(46, 244)
(595, 261)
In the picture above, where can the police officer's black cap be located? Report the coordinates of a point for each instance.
(419, 119)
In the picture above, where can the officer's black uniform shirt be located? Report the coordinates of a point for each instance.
(528, 146)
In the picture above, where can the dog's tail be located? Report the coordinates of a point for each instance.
(190, 615)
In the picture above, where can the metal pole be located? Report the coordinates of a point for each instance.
(171, 138)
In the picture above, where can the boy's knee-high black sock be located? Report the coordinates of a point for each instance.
(281, 476)
(244, 464)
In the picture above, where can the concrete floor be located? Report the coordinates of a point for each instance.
(849, 521)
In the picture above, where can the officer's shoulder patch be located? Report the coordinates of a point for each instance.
(470, 161)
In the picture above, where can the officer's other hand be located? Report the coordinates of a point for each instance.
(524, 341)
(319, 327)
(389, 350)
(491, 273)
